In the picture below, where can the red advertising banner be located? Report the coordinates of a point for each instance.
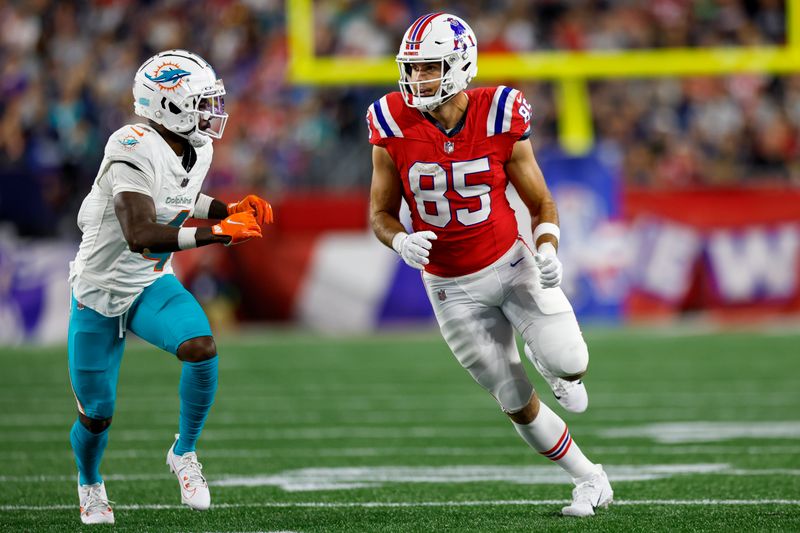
(731, 252)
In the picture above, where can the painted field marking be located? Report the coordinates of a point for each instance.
(334, 505)
(293, 433)
(344, 478)
(667, 433)
(413, 451)
(706, 431)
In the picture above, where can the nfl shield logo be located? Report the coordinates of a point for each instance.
(442, 295)
(449, 147)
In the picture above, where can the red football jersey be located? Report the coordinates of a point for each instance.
(455, 184)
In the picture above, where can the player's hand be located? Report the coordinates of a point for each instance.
(550, 269)
(414, 248)
(251, 203)
(239, 227)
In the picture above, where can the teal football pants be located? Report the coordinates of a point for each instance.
(165, 315)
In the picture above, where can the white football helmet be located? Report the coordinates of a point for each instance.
(437, 37)
(178, 89)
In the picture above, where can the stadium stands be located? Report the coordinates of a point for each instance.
(67, 68)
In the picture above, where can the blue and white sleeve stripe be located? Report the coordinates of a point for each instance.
(500, 113)
(387, 127)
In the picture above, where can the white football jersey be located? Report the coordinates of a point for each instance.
(106, 276)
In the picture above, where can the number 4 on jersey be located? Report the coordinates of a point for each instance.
(436, 193)
(162, 258)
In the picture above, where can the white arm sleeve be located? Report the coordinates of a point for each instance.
(123, 177)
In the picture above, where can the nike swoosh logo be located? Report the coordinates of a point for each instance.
(137, 132)
(515, 263)
(599, 497)
(234, 222)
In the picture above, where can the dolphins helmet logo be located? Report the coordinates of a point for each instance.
(460, 35)
(168, 76)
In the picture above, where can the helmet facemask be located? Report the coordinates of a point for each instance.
(209, 106)
(413, 89)
(187, 118)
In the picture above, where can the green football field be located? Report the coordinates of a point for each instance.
(698, 432)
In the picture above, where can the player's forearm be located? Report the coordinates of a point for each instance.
(158, 238)
(218, 210)
(385, 227)
(207, 207)
(548, 213)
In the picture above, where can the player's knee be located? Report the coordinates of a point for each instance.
(514, 395)
(197, 349)
(563, 351)
(94, 425)
(575, 359)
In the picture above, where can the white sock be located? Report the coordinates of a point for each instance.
(549, 436)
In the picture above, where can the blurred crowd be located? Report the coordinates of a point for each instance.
(68, 67)
(375, 28)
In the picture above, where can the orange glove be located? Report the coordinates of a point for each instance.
(239, 227)
(253, 204)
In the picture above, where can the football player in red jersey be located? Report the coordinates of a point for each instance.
(450, 153)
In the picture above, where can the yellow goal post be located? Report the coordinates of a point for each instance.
(567, 69)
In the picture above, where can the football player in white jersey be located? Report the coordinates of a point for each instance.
(148, 184)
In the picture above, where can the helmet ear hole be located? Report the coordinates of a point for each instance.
(175, 109)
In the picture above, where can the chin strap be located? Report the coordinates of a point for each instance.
(197, 139)
(431, 107)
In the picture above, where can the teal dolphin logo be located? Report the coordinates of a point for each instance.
(128, 143)
(170, 77)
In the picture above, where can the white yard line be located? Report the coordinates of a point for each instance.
(334, 505)
(389, 416)
(74, 477)
(289, 433)
(672, 432)
(347, 477)
(414, 451)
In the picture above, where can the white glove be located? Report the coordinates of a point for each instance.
(550, 269)
(414, 248)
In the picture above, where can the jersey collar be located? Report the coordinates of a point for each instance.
(456, 129)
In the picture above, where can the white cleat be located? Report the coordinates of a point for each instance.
(590, 492)
(95, 505)
(194, 488)
(571, 395)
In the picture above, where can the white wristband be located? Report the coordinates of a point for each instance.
(202, 206)
(397, 241)
(546, 228)
(187, 238)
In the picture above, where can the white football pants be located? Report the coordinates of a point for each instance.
(478, 313)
